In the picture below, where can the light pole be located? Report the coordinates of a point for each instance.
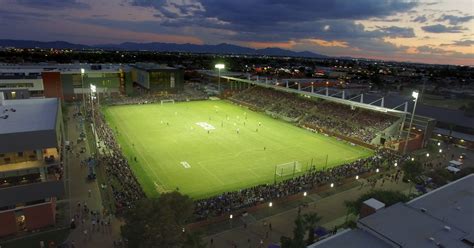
(93, 91)
(415, 95)
(82, 89)
(219, 67)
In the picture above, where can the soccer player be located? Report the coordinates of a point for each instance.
(238, 130)
(259, 124)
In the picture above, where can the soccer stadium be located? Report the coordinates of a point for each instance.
(254, 144)
(207, 147)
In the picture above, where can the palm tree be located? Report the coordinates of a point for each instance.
(310, 222)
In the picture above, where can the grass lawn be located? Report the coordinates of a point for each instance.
(174, 149)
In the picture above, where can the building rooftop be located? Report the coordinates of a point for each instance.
(351, 239)
(28, 115)
(152, 67)
(441, 218)
(375, 204)
(406, 226)
(452, 203)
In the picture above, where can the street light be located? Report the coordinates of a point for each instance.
(414, 94)
(219, 67)
(82, 88)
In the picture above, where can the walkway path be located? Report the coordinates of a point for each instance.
(85, 192)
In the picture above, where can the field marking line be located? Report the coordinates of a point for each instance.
(212, 174)
(254, 173)
(146, 161)
(185, 164)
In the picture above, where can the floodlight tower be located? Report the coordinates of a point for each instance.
(414, 94)
(219, 67)
(82, 88)
(93, 91)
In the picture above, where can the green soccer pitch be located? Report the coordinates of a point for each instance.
(242, 148)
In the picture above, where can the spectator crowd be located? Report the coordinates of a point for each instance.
(232, 201)
(357, 123)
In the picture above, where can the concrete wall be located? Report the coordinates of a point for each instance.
(8, 223)
(40, 216)
(52, 84)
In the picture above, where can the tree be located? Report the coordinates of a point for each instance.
(388, 197)
(298, 235)
(194, 240)
(412, 171)
(158, 222)
(310, 222)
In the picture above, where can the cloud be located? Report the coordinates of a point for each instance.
(420, 19)
(264, 12)
(455, 20)
(53, 4)
(172, 9)
(325, 43)
(441, 52)
(395, 32)
(465, 43)
(439, 28)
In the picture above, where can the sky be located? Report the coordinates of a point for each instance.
(427, 31)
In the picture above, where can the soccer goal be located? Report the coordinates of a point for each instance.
(167, 101)
(287, 169)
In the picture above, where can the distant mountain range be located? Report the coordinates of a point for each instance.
(161, 47)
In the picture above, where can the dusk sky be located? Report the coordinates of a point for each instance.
(432, 31)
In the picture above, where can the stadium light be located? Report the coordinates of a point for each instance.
(82, 88)
(305, 193)
(396, 164)
(377, 170)
(440, 150)
(332, 185)
(270, 204)
(413, 159)
(231, 216)
(357, 177)
(414, 94)
(427, 155)
(219, 67)
(439, 143)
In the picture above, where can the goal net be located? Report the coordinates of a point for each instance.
(288, 169)
(167, 101)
